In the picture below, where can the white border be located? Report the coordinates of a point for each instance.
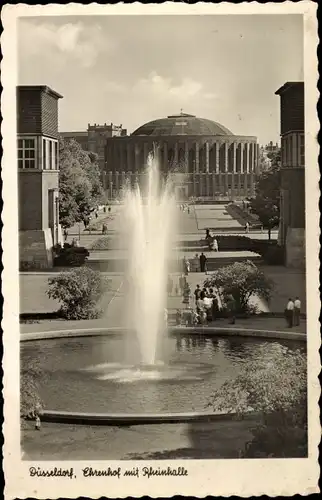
(206, 477)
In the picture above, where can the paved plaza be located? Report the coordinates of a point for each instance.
(191, 227)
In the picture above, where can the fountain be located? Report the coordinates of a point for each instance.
(148, 225)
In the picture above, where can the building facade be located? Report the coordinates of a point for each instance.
(38, 169)
(292, 223)
(205, 158)
(94, 138)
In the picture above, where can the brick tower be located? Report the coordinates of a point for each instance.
(38, 168)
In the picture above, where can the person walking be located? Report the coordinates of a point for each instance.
(65, 234)
(297, 311)
(215, 245)
(289, 313)
(247, 227)
(203, 260)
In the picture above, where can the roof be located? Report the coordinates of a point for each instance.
(73, 134)
(40, 88)
(182, 124)
(287, 86)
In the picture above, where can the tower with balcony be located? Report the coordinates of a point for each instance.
(292, 220)
(38, 169)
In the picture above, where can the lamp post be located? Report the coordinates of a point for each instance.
(57, 218)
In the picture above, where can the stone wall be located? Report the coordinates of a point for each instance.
(35, 249)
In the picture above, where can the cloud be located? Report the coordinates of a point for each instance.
(164, 88)
(72, 41)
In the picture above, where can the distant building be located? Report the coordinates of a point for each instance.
(272, 148)
(265, 156)
(38, 169)
(205, 159)
(292, 224)
(95, 137)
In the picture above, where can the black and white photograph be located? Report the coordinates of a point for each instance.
(161, 241)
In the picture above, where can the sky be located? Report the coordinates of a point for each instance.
(133, 69)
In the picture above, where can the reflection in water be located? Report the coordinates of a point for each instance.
(88, 374)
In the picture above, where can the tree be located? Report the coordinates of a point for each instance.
(242, 280)
(80, 187)
(275, 389)
(266, 203)
(78, 292)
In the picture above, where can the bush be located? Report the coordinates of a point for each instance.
(71, 256)
(277, 390)
(78, 291)
(30, 401)
(242, 280)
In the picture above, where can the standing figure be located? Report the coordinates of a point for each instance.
(247, 227)
(196, 263)
(297, 311)
(215, 245)
(231, 306)
(203, 260)
(289, 313)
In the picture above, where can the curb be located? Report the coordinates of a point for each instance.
(207, 331)
(65, 417)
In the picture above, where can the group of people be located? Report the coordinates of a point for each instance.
(206, 308)
(184, 207)
(293, 312)
(197, 264)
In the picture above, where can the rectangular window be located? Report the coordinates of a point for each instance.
(56, 155)
(50, 166)
(44, 154)
(26, 153)
(302, 150)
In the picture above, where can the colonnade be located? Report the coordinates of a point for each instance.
(231, 154)
(196, 185)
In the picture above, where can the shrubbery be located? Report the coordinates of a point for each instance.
(70, 256)
(30, 401)
(78, 292)
(242, 280)
(277, 391)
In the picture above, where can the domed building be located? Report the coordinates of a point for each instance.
(208, 160)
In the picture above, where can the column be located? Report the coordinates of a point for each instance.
(123, 180)
(207, 157)
(194, 185)
(176, 154)
(145, 153)
(165, 157)
(207, 184)
(234, 169)
(137, 156)
(129, 150)
(241, 157)
(197, 158)
(117, 182)
(247, 157)
(213, 184)
(251, 159)
(217, 158)
(186, 157)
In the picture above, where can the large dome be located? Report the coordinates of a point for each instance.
(182, 124)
